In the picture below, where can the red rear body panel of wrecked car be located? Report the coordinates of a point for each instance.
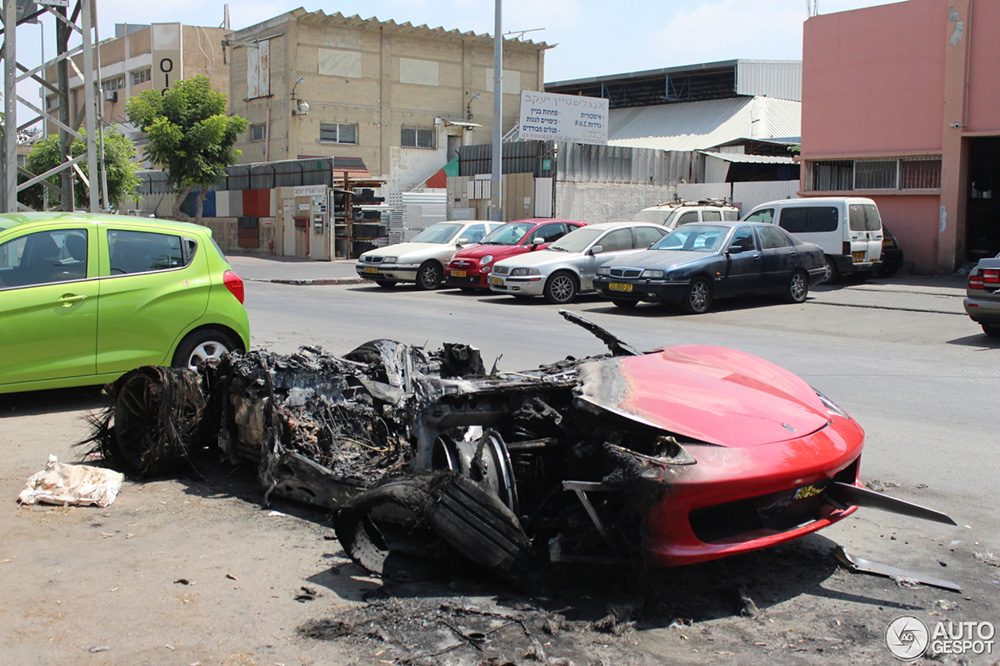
(764, 443)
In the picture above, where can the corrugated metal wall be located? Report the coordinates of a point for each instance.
(579, 163)
(518, 157)
(781, 79)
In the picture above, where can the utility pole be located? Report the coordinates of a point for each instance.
(77, 19)
(496, 196)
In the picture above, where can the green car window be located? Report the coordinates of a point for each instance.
(142, 251)
(44, 257)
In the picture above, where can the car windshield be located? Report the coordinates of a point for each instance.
(693, 238)
(576, 241)
(654, 215)
(438, 233)
(509, 234)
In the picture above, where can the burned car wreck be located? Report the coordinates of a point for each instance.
(671, 457)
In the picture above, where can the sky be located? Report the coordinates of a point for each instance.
(593, 37)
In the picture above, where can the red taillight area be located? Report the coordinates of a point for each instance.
(976, 281)
(234, 283)
(991, 276)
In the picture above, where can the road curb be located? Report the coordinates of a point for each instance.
(310, 281)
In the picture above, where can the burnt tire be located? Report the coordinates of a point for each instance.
(697, 296)
(389, 527)
(429, 275)
(797, 288)
(157, 419)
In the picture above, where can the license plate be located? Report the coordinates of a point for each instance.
(619, 286)
(496, 281)
(858, 256)
(458, 273)
(371, 269)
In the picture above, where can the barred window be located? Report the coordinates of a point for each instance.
(831, 176)
(875, 174)
(922, 173)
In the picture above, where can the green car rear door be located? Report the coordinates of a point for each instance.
(156, 284)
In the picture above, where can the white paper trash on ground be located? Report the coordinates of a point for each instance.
(80, 485)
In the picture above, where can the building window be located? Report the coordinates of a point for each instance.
(338, 133)
(114, 83)
(417, 137)
(141, 76)
(911, 173)
(833, 176)
(875, 174)
(921, 173)
(258, 132)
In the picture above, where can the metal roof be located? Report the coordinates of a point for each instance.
(781, 79)
(741, 158)
(705, 125)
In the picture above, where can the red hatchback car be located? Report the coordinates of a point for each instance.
(470, 268)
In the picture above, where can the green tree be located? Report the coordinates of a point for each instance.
(119, 164)
(190, 135)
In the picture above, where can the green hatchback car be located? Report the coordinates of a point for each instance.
(85, 298)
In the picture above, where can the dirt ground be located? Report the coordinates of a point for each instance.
(195, 570)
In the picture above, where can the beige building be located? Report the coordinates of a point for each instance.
(400, 97)
(146, 57)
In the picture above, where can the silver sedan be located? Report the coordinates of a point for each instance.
(568, 266)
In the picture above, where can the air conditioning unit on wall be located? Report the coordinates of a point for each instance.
(111, 96)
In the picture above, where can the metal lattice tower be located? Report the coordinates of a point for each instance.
(78, 26)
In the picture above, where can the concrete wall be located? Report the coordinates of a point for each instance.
(598, 202)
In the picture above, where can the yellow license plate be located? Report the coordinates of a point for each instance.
(619, 286)
(858, 256)
(458, 273)
(371, 269)
(496, 281)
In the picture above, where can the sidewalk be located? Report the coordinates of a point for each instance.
(294, 270)
(915, 293)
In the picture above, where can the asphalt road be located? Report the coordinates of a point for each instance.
(918, 381)
(194, 570)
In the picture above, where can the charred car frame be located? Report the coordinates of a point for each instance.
(670, 457)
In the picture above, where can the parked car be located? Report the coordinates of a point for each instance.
(982, 295)
(698, 263)
(849, 229)
(680, 212)
(470, 268)
(567, 267)
(421, 260)
(85, 298)
(892, 255)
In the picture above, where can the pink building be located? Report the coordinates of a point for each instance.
(901, 103)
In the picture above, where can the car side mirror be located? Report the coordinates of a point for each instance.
(462, 241)
(735, 248)
(597, 249)
(535, 242)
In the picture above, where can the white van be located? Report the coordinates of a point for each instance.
(849, 229)
(679, 212)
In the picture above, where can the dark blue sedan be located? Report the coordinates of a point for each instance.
(698, 263)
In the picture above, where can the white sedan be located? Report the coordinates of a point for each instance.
(422, 260)
(568, 266)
